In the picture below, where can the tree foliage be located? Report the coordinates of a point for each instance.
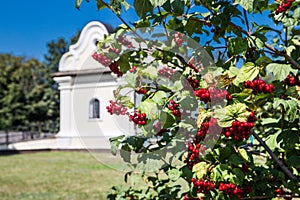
(251, 96)
(29, 97)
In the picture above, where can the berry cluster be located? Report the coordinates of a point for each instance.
(142, 91)
(234, 190)
(115, 108)
(259, 86)
(115, 69)
(195, 149)
(250, 52)
(124, 41)
(209, 127)
(292, 80)
(138, 118)
(158, 129)
(101, 58)
(157, 126)
(167, 72)
(133, 69)
(194, 67)
(174, 108)
(203, 186)
(213, 94)
(284, 6)
(178, 39)
(186, 197)
(194, 83)
(240, 130)
(114, 50)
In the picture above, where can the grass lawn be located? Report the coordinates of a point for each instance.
(55, 175)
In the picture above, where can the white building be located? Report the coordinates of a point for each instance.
(85, 90)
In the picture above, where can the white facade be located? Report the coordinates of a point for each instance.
(85, 90)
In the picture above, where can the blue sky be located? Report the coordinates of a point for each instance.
(27, 26)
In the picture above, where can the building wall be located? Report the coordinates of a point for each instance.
(78, 88)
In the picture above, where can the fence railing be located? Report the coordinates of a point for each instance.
(9, 136)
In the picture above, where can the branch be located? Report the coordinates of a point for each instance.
(275, 158)
(164, 24)
(247, 23)
(268, 46)
(283, 53)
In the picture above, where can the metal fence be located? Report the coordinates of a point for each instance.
(12, 136)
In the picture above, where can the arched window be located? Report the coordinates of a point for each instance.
(94, 109)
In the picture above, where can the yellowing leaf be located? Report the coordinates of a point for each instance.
(200, 169)
(244, 154)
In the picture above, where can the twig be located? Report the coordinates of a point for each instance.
(268, 46)
(247, 22)
(164, 24)
(275, 158)
(282, 53)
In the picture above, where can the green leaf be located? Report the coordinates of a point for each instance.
(126, 5)
(266, 121)
(235, 160)
(244, 154)
(259, 40)
(233, 72)
(150, 108)
(166, 119)
(203, 114)
(114, 143)
(243, 96)
(131, 79)
(159, 97)
(178, 6)
(142, 7)
(200, 169)
(100, 4)
(186, 126)
(237, 45)
(177, 86)
(174, 174)
(78, 3)
(150, 72)
(249, 71)
(126, 101)
(193, 27)
(291, 106)
(246, 4)
(272, 140)
(124, 63)
(294, 161)
(156, 3)
(116, 5)
(227, 115)
(238, 176)
(297, 13)
(280, 71)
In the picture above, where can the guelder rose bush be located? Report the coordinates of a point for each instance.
(222, 130)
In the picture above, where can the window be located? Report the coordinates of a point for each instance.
(94, 109)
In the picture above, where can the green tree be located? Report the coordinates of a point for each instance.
(22, 92)
(250, 95)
